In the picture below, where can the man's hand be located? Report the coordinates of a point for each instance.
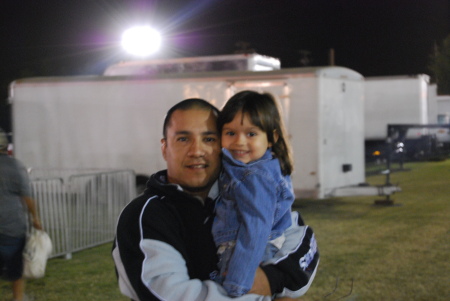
(261, 284)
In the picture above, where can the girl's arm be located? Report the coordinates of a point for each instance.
(255, 197)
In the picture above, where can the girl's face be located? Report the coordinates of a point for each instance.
(245, 141)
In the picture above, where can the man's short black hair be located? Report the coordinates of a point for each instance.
(187, 104)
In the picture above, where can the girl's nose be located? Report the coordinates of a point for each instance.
(239, 139)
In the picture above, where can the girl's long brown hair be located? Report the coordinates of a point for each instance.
(263, 112)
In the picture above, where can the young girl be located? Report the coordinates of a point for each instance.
(255, 204)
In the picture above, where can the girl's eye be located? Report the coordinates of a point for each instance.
(229, 133)
(251, 134)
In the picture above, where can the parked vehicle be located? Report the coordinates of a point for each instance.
(443, 117)
(401, 100)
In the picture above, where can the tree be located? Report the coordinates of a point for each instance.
(440, 66)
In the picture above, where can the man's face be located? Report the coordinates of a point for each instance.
(192, 150)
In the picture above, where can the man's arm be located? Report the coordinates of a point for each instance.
(165, 277)
(292, 270)
(149, 261)
(261, 285)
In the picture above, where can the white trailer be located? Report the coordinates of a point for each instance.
(443, 109)
(398, 100)
(439, 113)
(394, 99)
(443, 117)
(116, 121)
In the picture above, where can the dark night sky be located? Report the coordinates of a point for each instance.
(71, 37)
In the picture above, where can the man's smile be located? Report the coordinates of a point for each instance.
(197, 165)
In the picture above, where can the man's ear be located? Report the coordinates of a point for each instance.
(164, 147)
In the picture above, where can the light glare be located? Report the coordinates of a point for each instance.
(141, 41)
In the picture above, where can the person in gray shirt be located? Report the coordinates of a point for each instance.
(15, 196)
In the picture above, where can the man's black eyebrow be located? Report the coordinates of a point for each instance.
(203, 133)
(182, 133)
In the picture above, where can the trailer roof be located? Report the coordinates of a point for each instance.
(399, 77)
(326, 71)
(242, 62)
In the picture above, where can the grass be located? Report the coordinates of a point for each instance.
(89, 275)
(395, 252)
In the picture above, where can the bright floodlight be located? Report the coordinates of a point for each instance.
(141, 41)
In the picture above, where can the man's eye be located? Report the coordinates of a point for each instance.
(182, 139)
(210, 139)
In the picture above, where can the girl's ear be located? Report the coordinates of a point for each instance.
(275, 137)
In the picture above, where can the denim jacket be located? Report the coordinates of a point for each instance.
(254, 208)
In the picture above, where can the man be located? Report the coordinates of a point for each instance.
(164, 248)
(14, 195)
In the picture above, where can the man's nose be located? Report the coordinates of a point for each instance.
(197, 148)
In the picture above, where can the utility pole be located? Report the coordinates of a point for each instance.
(331, 57)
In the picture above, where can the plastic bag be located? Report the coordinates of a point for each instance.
(35, 254)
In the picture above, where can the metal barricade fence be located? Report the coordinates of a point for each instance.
(81, 211)
(51, 199)
(63, 173)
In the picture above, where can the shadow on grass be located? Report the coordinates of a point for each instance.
(323, 203)
(350, 208)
